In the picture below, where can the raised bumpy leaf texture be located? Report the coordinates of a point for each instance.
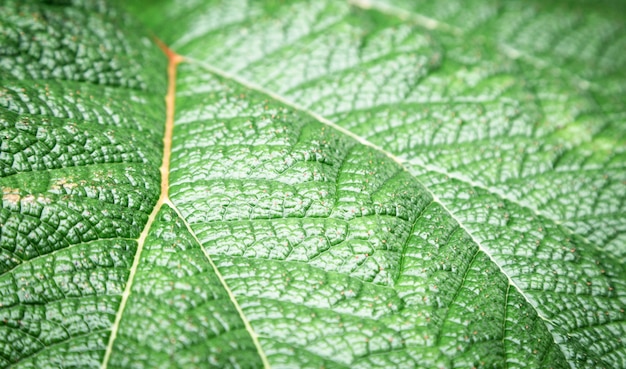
(364, 184)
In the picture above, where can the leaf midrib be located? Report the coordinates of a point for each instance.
(164, 200)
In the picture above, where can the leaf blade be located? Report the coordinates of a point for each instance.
(495, 97)
(291, 125)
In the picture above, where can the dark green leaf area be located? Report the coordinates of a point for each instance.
(81, 119)
(52, 125)
(87, 41)
(56, 310)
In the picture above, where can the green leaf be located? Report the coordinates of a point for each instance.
(371, 184)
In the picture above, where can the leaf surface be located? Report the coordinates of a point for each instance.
(340, 185)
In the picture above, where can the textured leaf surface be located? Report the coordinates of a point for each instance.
(178, 313)
(375, 184)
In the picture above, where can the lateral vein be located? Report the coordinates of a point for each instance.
(231, 295)
(401, 162)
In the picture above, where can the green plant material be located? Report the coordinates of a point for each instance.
(365, 184)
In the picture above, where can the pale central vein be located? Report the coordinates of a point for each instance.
(170, 100)
(163, 196)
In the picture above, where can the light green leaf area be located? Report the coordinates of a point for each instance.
(373, 184)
